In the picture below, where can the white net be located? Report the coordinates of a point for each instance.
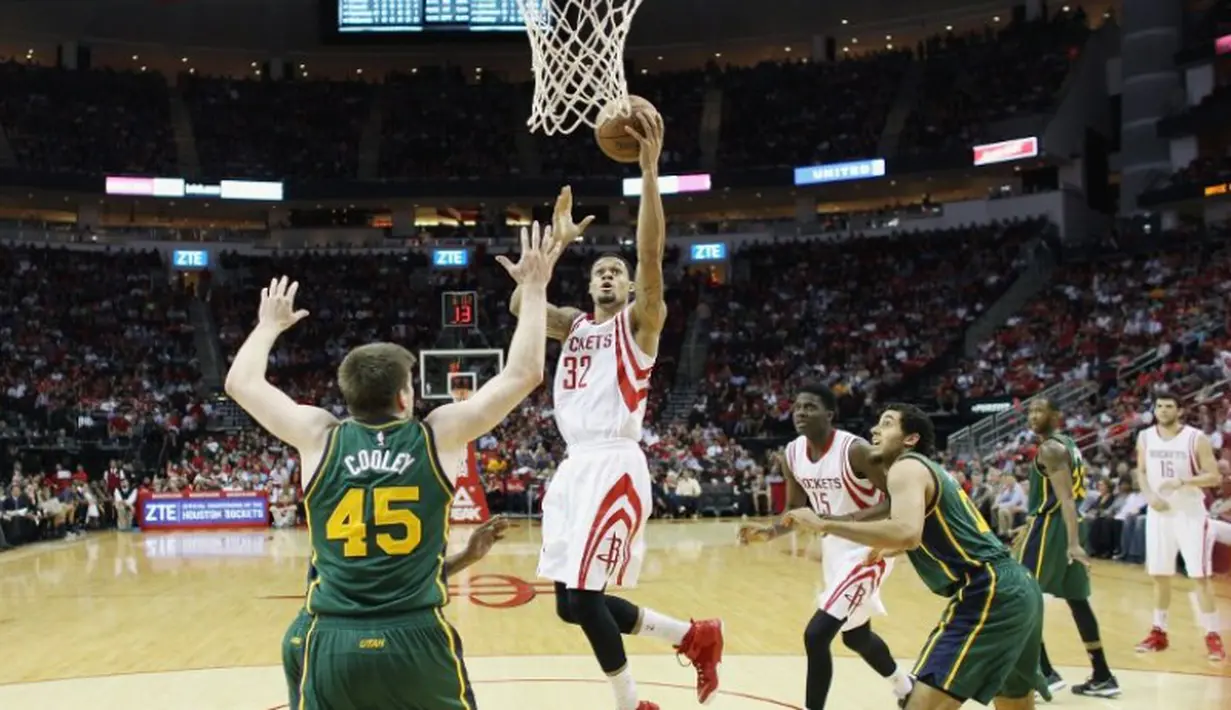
(578, 60)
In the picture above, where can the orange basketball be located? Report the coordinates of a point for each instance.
(612, 139)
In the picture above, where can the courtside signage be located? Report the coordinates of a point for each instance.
(840, 172)
(671, 184)
(175, 512)
(1006, 151)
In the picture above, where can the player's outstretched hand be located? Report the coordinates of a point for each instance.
(752, 532)
(804, 518)
(563, 228)
(650, 136)
(485, 536)
(277, 309)
(539, 254)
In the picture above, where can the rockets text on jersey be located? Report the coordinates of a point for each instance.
(1172, 459)
(831, 485)
(602, 381)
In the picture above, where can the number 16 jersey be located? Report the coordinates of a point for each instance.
(602, 381)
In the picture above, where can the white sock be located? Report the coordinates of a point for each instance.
(663, 627)
(1210, 621)
(1160, 618)
(901, 682)
(625, 689)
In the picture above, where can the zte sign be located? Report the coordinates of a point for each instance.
(1006, 151)
(184, 259)
(709, 252)
(450, 258)
(161, 513)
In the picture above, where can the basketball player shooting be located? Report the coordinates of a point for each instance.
(831, 472)
(377, 502)
(1174, 462)
(595, 510)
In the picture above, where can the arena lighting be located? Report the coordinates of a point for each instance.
(1217, 190)
(179, 187)
(1222, 45)
(671, 184)
(840, 172)
(1006, 151)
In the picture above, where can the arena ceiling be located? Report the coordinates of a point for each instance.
(292, 26)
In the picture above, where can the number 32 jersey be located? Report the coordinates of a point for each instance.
(602, 381)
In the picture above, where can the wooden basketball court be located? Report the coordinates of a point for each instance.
(194, 621)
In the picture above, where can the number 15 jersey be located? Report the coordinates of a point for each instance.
(602, 381)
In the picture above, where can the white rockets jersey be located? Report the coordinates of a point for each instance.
(1173, 459)
(602, 381)
(830, 483)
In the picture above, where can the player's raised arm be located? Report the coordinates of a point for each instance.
(300, 426)
(1059, 465)
(908, 493)
(564, 230)
(459, 423)
(649, 307)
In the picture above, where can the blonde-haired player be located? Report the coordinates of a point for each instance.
(1174, 462)
(595, 510)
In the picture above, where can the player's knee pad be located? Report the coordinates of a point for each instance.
(858, 639)
(586, 607)
(820, 633)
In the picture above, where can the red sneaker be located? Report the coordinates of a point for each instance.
(702, 646)
(1156, 641)
(1213, 647)
(646, 705)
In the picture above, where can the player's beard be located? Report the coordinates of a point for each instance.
(607, 298)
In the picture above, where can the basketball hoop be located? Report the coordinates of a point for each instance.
(577, 49)
(460, 394)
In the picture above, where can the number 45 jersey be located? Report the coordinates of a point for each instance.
(602, 381)
(852, 587)
(378, 516)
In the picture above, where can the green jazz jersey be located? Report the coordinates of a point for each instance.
(378, 519)
(1043, 499)
(956, 539)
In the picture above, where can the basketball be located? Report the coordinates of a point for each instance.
(612, 139)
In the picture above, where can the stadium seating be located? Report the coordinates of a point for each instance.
(860, 315)
(973, 80)
(86, 122)
(277, 130)
(93, 344)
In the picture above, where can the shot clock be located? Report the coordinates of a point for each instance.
(460, 309)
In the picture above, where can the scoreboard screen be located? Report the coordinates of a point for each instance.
(392, 17)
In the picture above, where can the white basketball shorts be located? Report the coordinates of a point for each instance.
(1186, 533)
(852, 588)
(594, 516)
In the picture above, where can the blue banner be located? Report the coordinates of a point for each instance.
(182, 513)
(840, 172)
